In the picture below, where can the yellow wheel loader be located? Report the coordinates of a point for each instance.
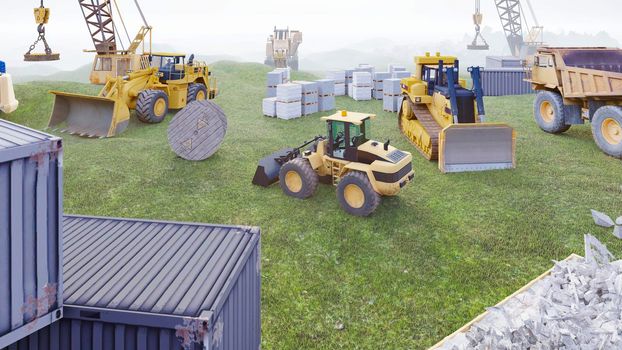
(8, 103)
(169, 83)
(445, 121)
(363, 170)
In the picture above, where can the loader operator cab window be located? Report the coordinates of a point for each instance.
(359, 134)
(337, 132)
(168, 66)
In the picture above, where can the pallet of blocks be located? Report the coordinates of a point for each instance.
(378, 85)
(269, 106)
(326, 89)
(339, 76)
(361, 86)
(274, 78)
(396, 68)
(401, 74)
(349, 73)
(288, 101)
(310, 97)
(392, 95)
(364, 67)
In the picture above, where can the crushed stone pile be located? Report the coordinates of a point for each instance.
(577, 306)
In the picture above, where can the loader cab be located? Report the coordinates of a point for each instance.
(170, 66)
(346, 132)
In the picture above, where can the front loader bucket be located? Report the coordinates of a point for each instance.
(268, 169)
(8, 103)
(90, 116)
(477, 147)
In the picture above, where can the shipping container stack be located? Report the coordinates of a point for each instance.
(326, 89)
(361, 86)
(310, 97)
(392, 95)
(31, 273)
(339, 77)
(289, 101)
(128, 284)
(505, 76)
(378, 91)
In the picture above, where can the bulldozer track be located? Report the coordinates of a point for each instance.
(429, 124)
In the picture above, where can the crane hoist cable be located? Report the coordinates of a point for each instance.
(42, 16)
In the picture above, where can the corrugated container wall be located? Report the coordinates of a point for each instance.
(504, 82)
(148, 285)
(31, 283)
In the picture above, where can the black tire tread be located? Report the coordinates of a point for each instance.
(559, 125)
(193, 90)
(310, 178)
(602, 113)
(372, 198)
(144, 111)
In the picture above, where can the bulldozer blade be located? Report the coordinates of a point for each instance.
(8, 103)
(477, 147)
(89, 116)
(268, 169)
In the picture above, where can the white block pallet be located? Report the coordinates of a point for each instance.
(378, 91)
(401, 74)
(288, 110)
(269, 107)
(310, 108)
(392, 94)
(326, 89)
(289, 92)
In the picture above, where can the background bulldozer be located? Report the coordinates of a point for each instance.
(445, 121)
(282, 48)
(8, 103)
(363, 170)
(168, 83)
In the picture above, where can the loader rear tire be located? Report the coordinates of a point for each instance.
(549, 112)
(197, 92)
(152, 106)
(298, 179)
(607, 130)
(356, 194)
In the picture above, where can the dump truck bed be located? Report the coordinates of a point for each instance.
(587, 72)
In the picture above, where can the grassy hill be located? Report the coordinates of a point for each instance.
(424, 264)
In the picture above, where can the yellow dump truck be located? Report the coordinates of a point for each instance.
(169, 83)
(575, 85)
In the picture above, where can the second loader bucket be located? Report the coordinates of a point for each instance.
(477, 147)
(90, 116)
(268, 169)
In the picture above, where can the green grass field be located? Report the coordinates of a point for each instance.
(424, 264)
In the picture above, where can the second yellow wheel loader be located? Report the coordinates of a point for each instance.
(169, 83)
(445, 121)
(363, 170)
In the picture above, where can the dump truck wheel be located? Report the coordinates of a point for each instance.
(356, 194)
(298, 179)
(549, 112)
(197, 92)
(152, 106)
(607, 130)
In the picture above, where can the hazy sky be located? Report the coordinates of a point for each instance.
(240, 27)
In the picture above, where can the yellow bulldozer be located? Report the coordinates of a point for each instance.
(363, 170)
(170, 83)
(445, 121)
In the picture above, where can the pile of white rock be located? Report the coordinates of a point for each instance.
(578, 306)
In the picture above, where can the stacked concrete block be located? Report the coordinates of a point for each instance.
(391, 95)
(339, 77)
(289, 101)
(310, 97)
(326, 89)
(361, 86)
(287, 74)
(396, 68)
(269, 107)
(401, 74)
(378, 84)
(364, 67)
(274, 78)
(349, 73)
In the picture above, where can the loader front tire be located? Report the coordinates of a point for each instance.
(607, 130)
(549, 112)
(298, 179)
(152, 106)
(356, 194)
(197, 92)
